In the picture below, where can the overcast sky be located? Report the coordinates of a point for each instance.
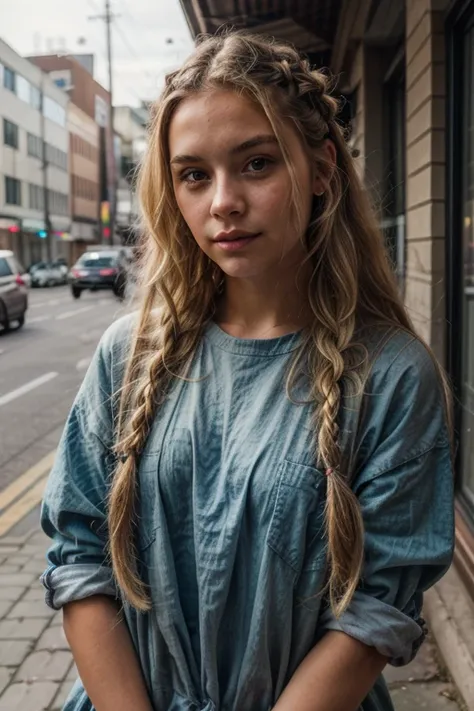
(140, 38)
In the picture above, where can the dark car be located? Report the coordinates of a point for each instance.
(13, 290)
(105, 269)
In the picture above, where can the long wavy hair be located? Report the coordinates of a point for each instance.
(352, 284)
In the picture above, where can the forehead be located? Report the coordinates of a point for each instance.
(220, 118)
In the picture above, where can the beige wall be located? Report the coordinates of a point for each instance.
(83, 165)
(425, 189)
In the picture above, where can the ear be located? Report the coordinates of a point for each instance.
(323, 174)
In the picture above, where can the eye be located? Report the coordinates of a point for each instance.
(193, 176)
(258, 165)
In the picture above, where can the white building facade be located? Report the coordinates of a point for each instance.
(32, 110)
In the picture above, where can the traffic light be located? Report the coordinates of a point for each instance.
(42, 233)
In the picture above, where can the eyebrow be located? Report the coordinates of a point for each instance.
(241, 148)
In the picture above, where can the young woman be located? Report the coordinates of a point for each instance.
(254, 485)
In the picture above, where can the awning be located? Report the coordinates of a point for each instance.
(310, 25)
(84, 231)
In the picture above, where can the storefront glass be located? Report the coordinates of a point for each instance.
(467, 305)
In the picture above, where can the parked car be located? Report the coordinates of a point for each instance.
(13, 290)
(47, 274)
(61, 266)
(104, 269)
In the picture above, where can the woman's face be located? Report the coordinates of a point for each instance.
(232, 185)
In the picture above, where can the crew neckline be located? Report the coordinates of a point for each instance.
(266, 347)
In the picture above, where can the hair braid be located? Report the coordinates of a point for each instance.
(344, 524)
(123, 493)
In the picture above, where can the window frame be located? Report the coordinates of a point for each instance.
(14, 182)
(7, 72)
(7, 124)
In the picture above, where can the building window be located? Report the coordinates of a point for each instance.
(10, 133)
(35, 97)
(36, 197)
(12, 191)
(53, 111)
(23, 88)
(9, 79)
(56, 157)
(464, 275)
(35, 147)
(58, 203)
(393, 223)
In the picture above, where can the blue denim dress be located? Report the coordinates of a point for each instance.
(231, 517)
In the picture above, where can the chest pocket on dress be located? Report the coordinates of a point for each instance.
(296, 531)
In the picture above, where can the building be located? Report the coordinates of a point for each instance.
(33, 112)
(73, 74)
(130, 125)
(407, 69)
(84, 171)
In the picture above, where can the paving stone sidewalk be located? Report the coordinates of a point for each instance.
(37, 669)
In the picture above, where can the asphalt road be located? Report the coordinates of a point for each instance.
(41, 368)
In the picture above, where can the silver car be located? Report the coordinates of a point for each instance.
(13, 290)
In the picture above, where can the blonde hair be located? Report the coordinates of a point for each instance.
(347, 288)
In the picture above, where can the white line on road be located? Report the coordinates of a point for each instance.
(68, 314)
(51, 302)
(8, 397)
(83, 363)
(37, 319)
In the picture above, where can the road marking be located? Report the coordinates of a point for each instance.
(68, 314)
(22, 507)
(26, 480)
(83, 363)
(8, 397)
(54, 302)
(38, 319)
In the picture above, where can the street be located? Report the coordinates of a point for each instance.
(41, 367)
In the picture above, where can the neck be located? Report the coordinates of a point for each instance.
(264, 308)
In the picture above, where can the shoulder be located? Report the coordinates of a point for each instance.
(402, 411)
(396, 355)
(118, 336)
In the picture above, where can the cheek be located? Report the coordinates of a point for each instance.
(193, 210)
(272, 199)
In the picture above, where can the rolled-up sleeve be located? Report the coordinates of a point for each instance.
(74, 506)
(405, 491)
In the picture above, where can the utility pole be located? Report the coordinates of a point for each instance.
(44, 165)
(113, 181)
(108, 18)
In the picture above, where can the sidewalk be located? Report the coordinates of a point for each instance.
(36, 666)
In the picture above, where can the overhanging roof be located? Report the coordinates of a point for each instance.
(309, 24)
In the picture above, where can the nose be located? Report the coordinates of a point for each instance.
(228, 198)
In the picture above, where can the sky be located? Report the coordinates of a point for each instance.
(149, 38)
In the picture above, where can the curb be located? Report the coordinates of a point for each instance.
(450, 615)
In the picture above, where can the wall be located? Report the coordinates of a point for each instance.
(84, 133)
(16, 162)
(425, 189)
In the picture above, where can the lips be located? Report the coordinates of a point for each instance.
(233, 241)
(234, 235)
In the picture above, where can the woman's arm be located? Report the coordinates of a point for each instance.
(337, 674)
(105, 656)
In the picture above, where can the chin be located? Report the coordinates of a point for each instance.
(241, 271)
